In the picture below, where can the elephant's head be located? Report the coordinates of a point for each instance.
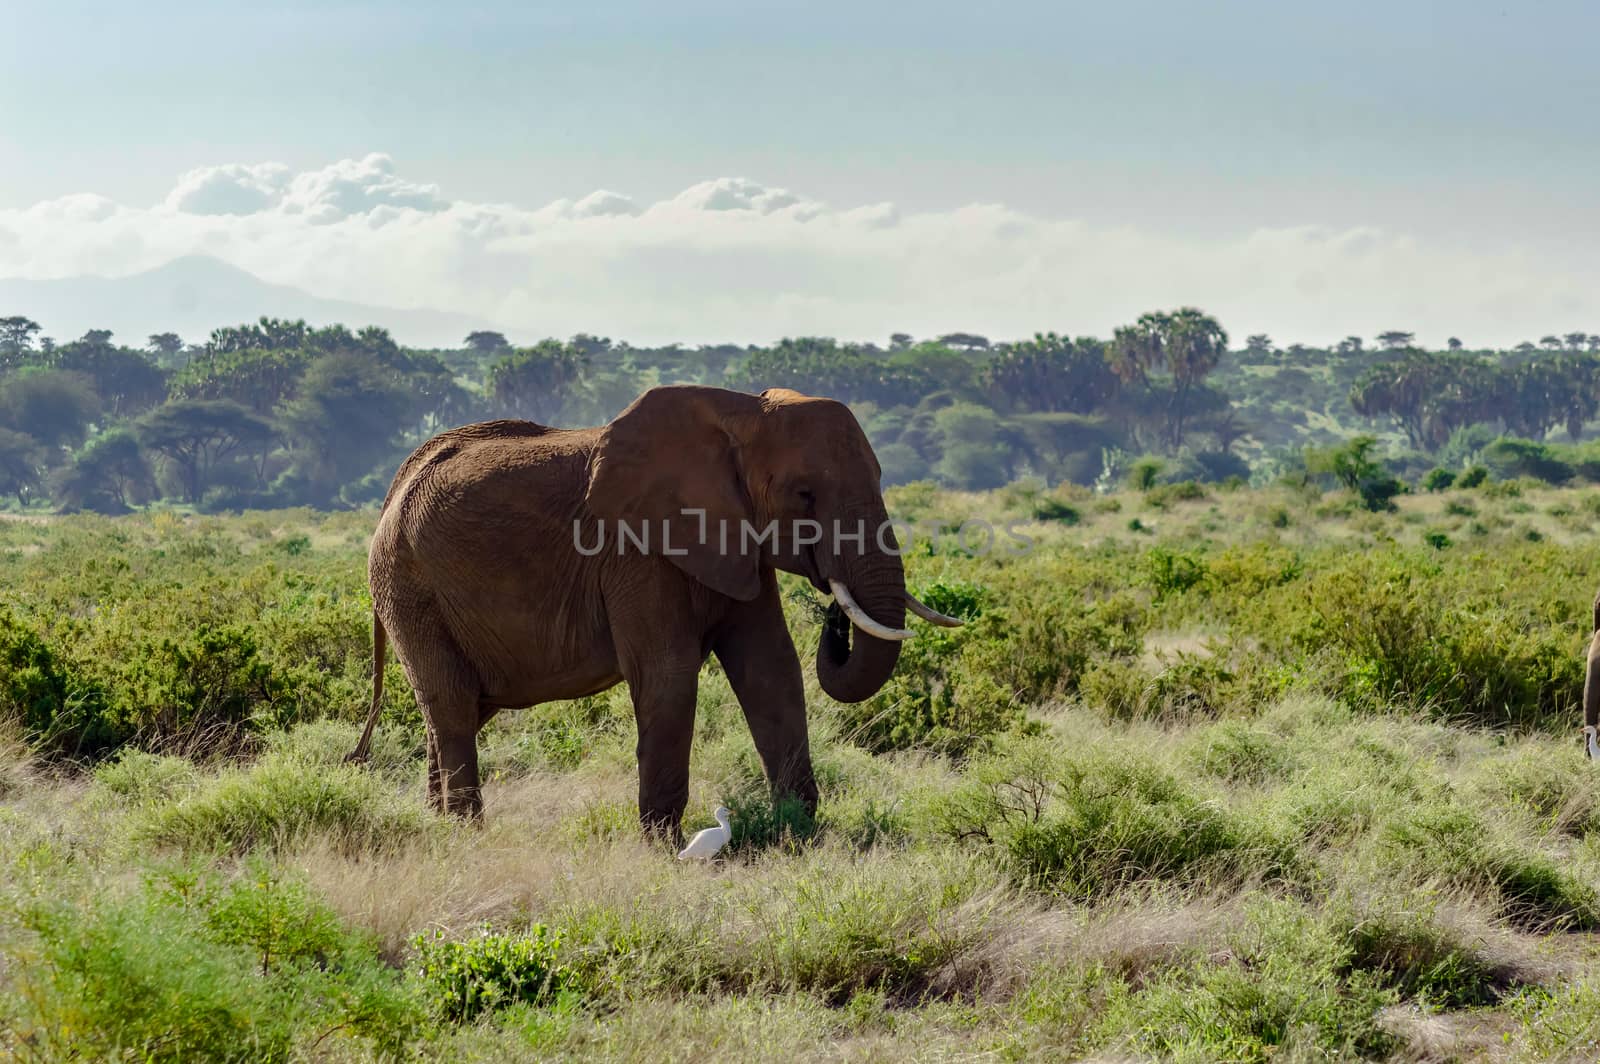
(740, 481)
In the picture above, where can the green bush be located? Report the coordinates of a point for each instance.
(1508, 458)
(1243, 753)
(195, 968)
(1056, 510)
(463, 979)
(1163, 495)
(136, 777)
(201, 691)
(1086, 826)
(1396, 635)
(1412, 953)
(1438, 479)
(1281, 990)
(280, 801)
(1473, 477)
(1145, 473)
(947, 692)
(55, 709)
(136, 979)
(1456, 845)
(1173, 572)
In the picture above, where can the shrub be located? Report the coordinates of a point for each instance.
(1456, 845)
(1276, 992)
(875, 924)
(280, 801)
(1418, 957)
(1056, 510)
(136, 978)
(275, 918)
(1082, 827)
(136, 777)
(1163, 495)
(947, 692)
(1473, 477)
(1396, 636)
(56, 710)
(1243, 753)
(1437, 540)
(1353, 466)
(202, 691)
(464, 979)
(759, 823)
(1508, 458)
(1438, 479)
(1171, 572)
(1145, 473)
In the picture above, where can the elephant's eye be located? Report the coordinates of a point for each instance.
(807, 498)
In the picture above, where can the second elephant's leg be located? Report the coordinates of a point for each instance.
(758, 655)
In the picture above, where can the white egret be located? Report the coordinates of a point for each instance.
(706, 844)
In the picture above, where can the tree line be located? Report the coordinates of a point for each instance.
(279, 413)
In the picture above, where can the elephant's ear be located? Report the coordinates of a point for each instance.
(669, 458)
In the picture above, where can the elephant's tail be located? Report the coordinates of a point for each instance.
(380, 640)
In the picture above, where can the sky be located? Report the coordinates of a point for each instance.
(708, 171)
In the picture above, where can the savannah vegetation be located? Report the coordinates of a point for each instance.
(279, 414)
(1214, 772)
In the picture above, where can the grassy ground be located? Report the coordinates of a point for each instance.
(1249, 775)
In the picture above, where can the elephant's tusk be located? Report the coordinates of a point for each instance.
(1590, 743)
(859, 618)
(931, 615)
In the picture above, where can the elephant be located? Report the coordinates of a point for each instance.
(514, 564)
(1591, 690)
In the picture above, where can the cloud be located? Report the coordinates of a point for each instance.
(234, 188)
(734, 259)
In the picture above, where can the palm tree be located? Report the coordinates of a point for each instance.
(1187, 342)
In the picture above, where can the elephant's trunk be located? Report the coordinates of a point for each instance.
(851, 664)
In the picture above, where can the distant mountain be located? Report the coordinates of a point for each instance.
(195, 294)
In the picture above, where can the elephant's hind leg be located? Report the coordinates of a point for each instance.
(447, 691)
(453, 763)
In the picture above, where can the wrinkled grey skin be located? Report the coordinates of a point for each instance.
(476, 579)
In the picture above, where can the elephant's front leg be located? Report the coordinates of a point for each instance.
(758, 656)
(663, 707)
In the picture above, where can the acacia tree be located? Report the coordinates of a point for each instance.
(344, 422)
(109, 475)
(1169, 355)
(486, 341)
(196, 435)
(126, 381)
(166, 344)
(16, 339)
(53, 406)
(21, 460)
